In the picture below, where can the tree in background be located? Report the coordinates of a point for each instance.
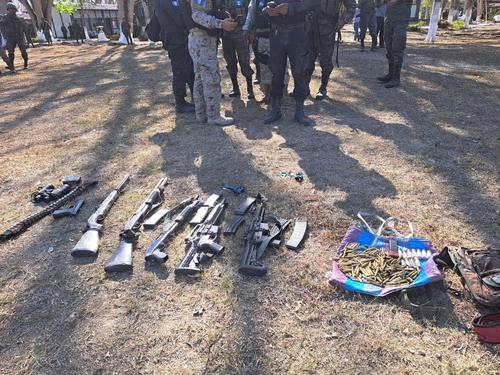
(38, 9)
(433, 22)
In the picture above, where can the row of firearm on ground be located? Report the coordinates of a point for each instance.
(203, 216)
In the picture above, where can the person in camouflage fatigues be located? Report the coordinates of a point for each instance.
(13, 29)
(202, 44)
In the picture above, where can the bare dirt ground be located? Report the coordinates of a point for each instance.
(427, 151)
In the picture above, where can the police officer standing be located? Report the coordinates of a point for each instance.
(367, 20)
(64, 30)
(13, 28)
(396, 23)
(235, 47)
(202, 44)
(174, 34)
(324, 25)
(289, 39)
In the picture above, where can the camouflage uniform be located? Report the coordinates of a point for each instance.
(203, 51)
(13, 28)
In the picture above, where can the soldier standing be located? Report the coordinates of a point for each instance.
(289, 38)
(380, 13)
(174, 34)
(367, 20)
(202, 43)
(64, 30)
(126, 31)
(46, 31)
(27, 34)
(235, 47)
(325, 23)
(396, 24)
(13, 27)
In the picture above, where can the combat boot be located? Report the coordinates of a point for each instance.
(374, 45)
(396, 77)
(221, 121)
(388, 76)
(322, 89)
(181, 106)
(300, 116)
(236, 88)
(275, 113)
(362, 45)
(25, 64)
(250, 88)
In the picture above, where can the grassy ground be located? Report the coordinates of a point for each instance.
(427, 151)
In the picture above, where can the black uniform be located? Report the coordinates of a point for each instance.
(396, 23)
(77, 31)
(13, 28)
(46, 31)
(367, 20)
(289, 39)
(323, 28)
(234, 47)
(174, 33)
(64, 31)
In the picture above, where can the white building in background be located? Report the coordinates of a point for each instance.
(101, 13)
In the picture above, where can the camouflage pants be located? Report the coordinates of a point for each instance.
(206, 91)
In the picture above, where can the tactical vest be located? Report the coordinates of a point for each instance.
(330, 7)
(262, 23)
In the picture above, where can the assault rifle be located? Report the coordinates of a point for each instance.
(201, 242)
(121, 260)
(259, 236)
(156, 250)
(88, 245)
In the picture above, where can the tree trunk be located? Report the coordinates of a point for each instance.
(433, 22)
(32, 14)
(444, 4)
(468, 12)
(480, 10)
(452, 16)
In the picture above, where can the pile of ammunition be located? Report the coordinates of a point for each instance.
(374, 266)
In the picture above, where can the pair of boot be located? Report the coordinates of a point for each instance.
(236, 88)
(392, 78)
(275, 113)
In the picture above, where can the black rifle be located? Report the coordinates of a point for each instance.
(156, 250)
(201, 242)
(88, 245)
(121, 260)
(24, 224)
(259, 236)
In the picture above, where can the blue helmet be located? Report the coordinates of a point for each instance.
(11, 6)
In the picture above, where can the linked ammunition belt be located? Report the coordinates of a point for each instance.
(24, 224)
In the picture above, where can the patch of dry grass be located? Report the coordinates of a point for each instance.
(426, 152)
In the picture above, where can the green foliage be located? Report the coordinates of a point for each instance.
(457, 25)
(65, 6)
(416, 26)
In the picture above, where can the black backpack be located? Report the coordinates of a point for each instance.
(153, 29)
